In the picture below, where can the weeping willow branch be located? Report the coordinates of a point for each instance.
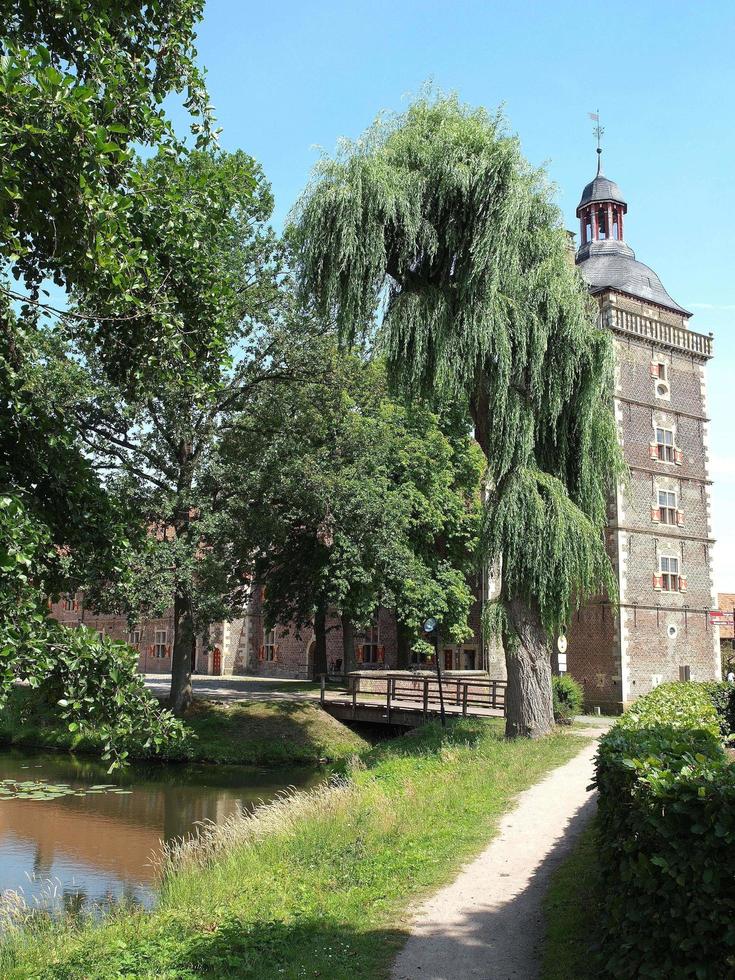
(435, 222)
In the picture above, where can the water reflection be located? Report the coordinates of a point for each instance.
(74, 852)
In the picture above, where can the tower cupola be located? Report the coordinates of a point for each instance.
(604, 258)
(601, 209)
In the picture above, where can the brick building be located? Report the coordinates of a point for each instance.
(659, 531)
(244, 646)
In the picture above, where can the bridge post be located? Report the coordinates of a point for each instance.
(464, 700)
(354, 696)
(389, 681)
(322, 689)
(494, 695)
(459, 682)
(426, 698)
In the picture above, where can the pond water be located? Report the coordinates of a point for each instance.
(72, 836)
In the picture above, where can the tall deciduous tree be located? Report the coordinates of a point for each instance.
(81, 85)
(434, 219)
(213, 268)
(342, 498)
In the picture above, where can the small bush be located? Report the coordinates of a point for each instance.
(666, 839)
(568, 698)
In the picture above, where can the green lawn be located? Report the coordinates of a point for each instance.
(248, 733)
(320, 886)
(270, 733)
(571, 911)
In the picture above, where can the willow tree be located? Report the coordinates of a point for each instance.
(434, 224)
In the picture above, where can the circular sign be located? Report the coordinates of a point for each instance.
(430, 625)
(561, 644)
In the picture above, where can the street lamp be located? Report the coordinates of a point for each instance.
(430, 627)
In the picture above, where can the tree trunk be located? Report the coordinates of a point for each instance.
(404, 636)
(320, 636)
(348, 645)
(529, 709)
(183, 650)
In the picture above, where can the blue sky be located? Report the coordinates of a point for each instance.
(290, 77)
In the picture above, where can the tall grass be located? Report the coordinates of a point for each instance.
(315, 884)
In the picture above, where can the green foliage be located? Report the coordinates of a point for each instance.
(568, 697)
(722, 696)
(666, 838)
(352, 499)
(81, 85)
(253, 733)
(314, 884)
(81, 88)
(150, 398)
(435, 222)
(87, 682)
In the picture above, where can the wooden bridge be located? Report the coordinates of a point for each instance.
(410, 700)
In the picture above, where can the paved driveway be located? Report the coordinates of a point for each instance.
(229, 688)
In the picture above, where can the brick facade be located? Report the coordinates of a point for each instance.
(242, 645)
(656, 634)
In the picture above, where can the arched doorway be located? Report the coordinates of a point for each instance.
(310, 649)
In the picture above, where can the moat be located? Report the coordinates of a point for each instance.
(73, 836)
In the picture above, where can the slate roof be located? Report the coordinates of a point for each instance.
(601, 189)
(613, 265)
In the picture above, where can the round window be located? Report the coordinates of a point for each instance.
(672, 631)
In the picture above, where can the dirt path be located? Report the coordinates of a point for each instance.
(488, 923)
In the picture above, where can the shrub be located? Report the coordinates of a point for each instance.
(568, 698)
(666, 839)
(89, 683)
(722, 696)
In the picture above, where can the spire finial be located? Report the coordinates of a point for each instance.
(598, 132)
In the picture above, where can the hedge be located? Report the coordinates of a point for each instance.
(666, 836)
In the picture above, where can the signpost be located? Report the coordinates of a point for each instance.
(561, 659)
(430, 627)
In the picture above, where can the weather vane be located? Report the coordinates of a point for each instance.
(598, 132)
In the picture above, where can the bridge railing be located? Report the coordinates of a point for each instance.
(421, 691)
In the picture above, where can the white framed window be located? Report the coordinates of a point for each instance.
(669, 568)
(667, 507)
(669, 577)
(160, 646)
(665, 445)
(134, 638)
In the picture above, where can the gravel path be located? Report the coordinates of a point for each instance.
(488, 923)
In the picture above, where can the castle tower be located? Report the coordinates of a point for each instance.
(659, 532)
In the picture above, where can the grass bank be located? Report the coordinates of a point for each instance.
(571, 910)
(319, 885)
(245, 733)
